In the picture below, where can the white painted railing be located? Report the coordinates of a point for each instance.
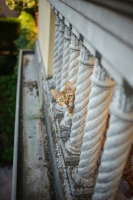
(100, 39)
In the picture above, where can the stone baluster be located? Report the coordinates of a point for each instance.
(74, 63)
(60, 54)
(99, 100)
(53, 80)
(83, 88)
(117, 145)
(72, 75)
(66, 57)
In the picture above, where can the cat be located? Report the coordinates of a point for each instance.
(66, 97)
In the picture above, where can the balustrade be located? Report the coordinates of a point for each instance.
(117, 145)
(94, 90)
(99, 100)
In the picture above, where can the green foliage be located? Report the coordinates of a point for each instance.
(7, 111)
(8, 83)
(28, 31)
(9, 31)
(22, 4)
(7, 156)
(9, 61)
(27, 21)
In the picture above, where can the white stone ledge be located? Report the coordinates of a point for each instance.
(109, 20)
(106, 31)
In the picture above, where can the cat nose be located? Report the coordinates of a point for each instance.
(67, 103)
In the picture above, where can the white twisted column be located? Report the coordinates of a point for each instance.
(66, 57)
(83, 86)
(53, 80)
(72, 77)
(99, 100)
(74, 63)
(60, 54)
(117, 145)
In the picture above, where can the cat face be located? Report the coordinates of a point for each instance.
(66, 97)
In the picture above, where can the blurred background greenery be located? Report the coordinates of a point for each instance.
(16, 33)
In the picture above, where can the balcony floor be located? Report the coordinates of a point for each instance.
(34, 168)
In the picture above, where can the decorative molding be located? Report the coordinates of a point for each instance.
(100, 77)
(67, 33)
(99, 33)
(122, 104)
(75, 43)
(82, 180)
(61, 26)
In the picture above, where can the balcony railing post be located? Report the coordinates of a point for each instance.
(117, 145)
(99, 100)
(66, 57)
(56, 39)
(60, 54)
(72, 75)
(83, 87)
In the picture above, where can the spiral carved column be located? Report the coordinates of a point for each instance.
(74, 63)
(72, 76)
(83, 88)
(60, 54)
(99, 100)
(53, 80)
(66, 57)
(117, 145)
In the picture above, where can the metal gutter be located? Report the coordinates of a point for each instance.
(17, 124)
(16, 131)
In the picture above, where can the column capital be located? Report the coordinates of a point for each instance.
(101, 77)
(86, 58)
(61, 26)
(67, 34)
(74, 43)
(122, 105)
(57, 22)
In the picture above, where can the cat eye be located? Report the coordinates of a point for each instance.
(61, 100)
(70, 96)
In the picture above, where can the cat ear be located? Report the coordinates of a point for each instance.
(69, 86)
(54, 93)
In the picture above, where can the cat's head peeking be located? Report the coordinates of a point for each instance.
(66, 97)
